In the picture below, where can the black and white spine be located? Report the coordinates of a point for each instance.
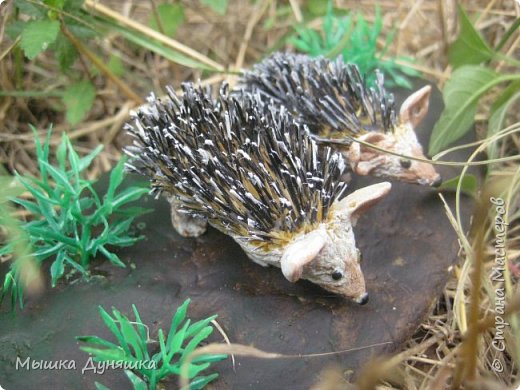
(330, 96)
(333, 99)
(250, 170)
(255, 174)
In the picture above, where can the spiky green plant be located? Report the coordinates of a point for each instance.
(71, 222)
(134, 344)
(356, 40)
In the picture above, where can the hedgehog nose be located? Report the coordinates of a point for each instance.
(437, 182)
(363, 299)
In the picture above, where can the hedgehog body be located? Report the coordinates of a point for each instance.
(256, 175)
(332, 98)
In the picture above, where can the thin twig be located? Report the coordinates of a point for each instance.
(102, 67)
(151, 33)
(255, 17)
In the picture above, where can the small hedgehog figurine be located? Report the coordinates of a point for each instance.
(257, 176)
(332, 98)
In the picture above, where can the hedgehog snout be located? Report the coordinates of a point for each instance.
(362, 299)
(437, 182)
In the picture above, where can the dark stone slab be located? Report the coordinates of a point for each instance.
(408, 247)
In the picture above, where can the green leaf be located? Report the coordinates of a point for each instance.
(137, 382)
(85, 162)
(112, 257)
(155, 46)
(195, 369)
(15, 28)
(76, 266)
(109, 354)
(100, 386)
(61, 153)
(195, 341)
(177, 341)
(469, 48)
(178, 317)
(198, 326)
(202, 381)
(78, 99)
(46, 234)
(140, 325)
(29, 9)
(55, 3)
(355, 40)
(96, 341)
(60, 178)
(116, 178)
(81, 31)
(116, 65)
(468, 186)
(209, 358)
(461, 93)
(32, 207)
(65, 52)
(317, 7)
(38, 194)
(510, 31)
(57, 268)
(133, 211)
(130, 335)
(171, 17)
(219, 6)
(38, 35)
(498, 113)
(128, 195)
(46, 251)
(111, 325)
(73, 6)
(73, 159)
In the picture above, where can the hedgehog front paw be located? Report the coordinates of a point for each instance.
(187, 225)
(260, 262)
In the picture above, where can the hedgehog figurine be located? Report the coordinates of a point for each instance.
(256, 175)
(332, 98)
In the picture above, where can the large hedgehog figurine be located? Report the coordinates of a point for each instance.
(332, 98)
(258, 177)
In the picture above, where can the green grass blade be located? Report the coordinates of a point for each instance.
(137, 382)
(128, 195)
(111, 325)
(177, 319)
(59, 177)
(154, 46)
(100, 386)
(116, 178)
(95, 340)
(195, 341)
(112, 257)
(85, 162)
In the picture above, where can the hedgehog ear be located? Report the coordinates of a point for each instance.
(415, 107)
(358, 151)
(371, 137)
(302, 252)
(355, 204)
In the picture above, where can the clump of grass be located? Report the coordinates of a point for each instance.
(133, 348)
(72, 223)
(356, 40)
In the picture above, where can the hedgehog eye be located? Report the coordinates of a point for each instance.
(405, 163)
(337, 275)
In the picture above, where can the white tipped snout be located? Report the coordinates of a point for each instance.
(362, 299)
